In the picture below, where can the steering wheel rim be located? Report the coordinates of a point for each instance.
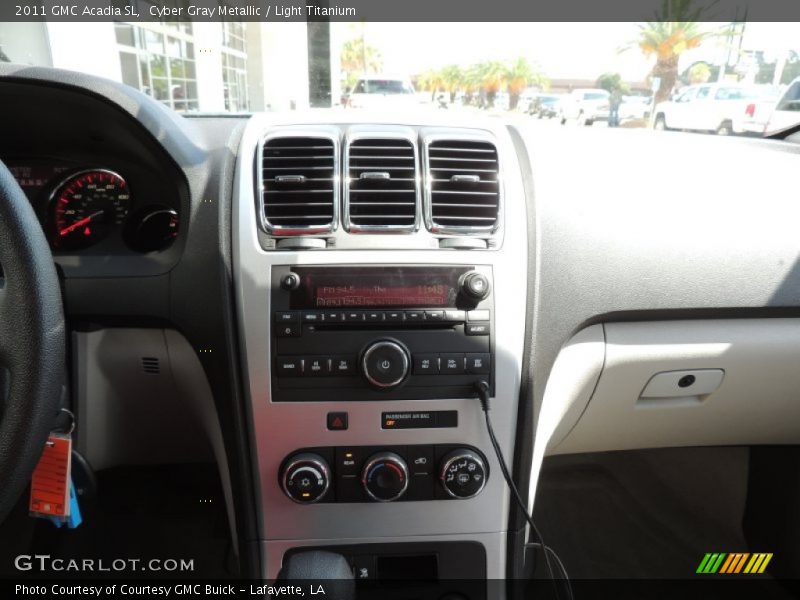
(32, 341)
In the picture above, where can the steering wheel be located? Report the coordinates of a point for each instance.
(32, 341)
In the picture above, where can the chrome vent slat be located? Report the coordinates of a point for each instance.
(380, 196)
(463, 195)
(299, 174)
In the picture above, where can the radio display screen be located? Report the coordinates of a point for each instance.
(370, 287)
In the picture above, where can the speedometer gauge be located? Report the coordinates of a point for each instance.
(87, 206)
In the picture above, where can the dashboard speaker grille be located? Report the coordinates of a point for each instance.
(299, 185)
(382, 186)
(464, 186)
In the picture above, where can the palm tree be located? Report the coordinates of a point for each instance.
(452, 79)
(493, 77)
(358, 58)
(676, 31)
(519, 75)
(430, 81)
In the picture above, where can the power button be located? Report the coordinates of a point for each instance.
(385, 363)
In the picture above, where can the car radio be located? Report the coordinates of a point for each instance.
(380, 333)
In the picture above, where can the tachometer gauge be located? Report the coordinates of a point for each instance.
(86, 207)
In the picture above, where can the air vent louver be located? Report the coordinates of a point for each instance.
(464, 186)
(382, 193)
(151, 365)
(299, 185)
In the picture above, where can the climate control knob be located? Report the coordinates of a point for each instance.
(305, 478)
(463, 473)
(475, 285)
(385, 477)
(385, 363)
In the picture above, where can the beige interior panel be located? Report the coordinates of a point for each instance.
(689, 383)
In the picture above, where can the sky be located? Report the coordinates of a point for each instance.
(562, 50)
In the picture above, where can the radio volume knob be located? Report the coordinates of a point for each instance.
(385, 363)
(475, 285)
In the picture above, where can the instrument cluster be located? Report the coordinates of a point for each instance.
(94, 207)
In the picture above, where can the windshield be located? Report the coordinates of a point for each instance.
(498, 69)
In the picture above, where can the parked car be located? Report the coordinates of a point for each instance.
(724, 108)
(787, 109)
(545, 106)
(382, 91)
(635, 107)
(585, 106)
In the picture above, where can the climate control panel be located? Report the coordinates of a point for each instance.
(384, 474)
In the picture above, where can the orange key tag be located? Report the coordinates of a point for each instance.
(50, 481)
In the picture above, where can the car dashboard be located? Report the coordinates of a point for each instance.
(332, 288)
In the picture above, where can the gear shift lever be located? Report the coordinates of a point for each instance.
(329, 569)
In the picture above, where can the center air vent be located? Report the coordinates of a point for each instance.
(382, 186)
(463, 186)
(299, 192)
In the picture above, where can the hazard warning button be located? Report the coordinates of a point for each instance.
(337, 421)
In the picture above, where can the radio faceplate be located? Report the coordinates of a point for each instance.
(380, 333)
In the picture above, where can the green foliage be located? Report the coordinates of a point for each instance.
(358, 58)
(488, 77)
(612, 82)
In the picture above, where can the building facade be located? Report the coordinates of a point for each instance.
(190, 67)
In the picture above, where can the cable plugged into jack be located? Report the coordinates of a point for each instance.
(484, 392)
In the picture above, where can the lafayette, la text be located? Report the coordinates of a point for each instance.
(262, 591)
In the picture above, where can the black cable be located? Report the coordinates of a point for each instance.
(483, 393)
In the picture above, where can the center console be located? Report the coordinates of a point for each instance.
(364, 330)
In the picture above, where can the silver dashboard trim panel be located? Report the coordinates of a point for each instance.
(279, 428)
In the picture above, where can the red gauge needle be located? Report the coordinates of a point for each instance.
(76, 224)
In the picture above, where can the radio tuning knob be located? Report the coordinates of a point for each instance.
(475, 285)
(306, 478)
(290, 282)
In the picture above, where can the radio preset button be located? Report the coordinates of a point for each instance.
(478, 364)
(478, 315)
(414, 316)
(333, 317)
(343, 365)
(353, 316)
(477, 328)
(316, 366)
(373, 316)
(426, 364)
(289, 366)
(434, 315)
(451, 364)
(454, 316)
(395, 316)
